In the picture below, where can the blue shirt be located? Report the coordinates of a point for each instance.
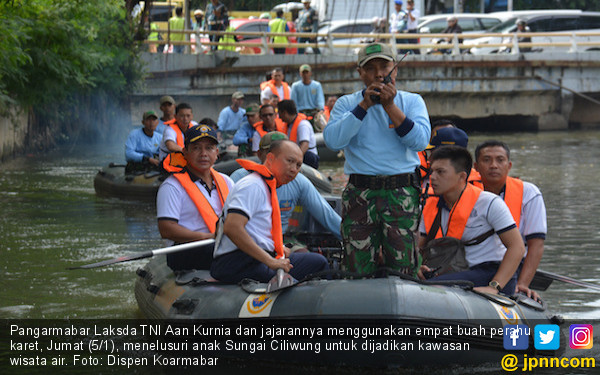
(372, 146)
(230, 121)
(301, 191)
(244, 133)
(308, 96)
(160, 128)
(138, 145)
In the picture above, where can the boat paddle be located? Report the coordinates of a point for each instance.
(543, 279)
(281, 280)
(147, 254)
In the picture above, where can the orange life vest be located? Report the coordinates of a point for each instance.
(276, 231)
(475, 178)
(280, 126)
(294, 125)
(174, 162)
(513, 197)
(326, 113)
(458, 215)
(263, 84)
(286, 89)
(204, 208)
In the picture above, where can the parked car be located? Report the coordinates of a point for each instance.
(471, 23)
(547, 21)
(255, 25)
(349, 27)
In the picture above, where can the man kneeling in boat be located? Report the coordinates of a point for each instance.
(189, 202)
(252, 242)
(466, 212)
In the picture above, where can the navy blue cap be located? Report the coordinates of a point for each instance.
(198, 132)
(449, 136)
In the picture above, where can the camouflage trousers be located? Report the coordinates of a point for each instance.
(378, 229)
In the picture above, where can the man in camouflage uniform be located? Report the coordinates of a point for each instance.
(381, 131)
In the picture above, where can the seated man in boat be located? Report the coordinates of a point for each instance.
(524, 199)
(467, 213)
(300, 191)
(243, 136)
(252, 242)
(167, 106)
(189, 202)
(299, 131)
(269, 122)
(442, 134)
(171, 146)
(275, 86)
(231, 117)
(141, 147)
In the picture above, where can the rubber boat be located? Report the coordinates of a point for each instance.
(418, 310)
(325, 153)
(112, 181)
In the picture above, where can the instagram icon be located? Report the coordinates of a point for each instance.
(581, 336)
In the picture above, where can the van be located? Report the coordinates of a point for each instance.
(543, 21)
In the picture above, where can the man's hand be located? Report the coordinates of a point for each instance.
(387, 94)
(422, 270)
(486, 289)
(276, 264)
(153, 161)
(530, 293)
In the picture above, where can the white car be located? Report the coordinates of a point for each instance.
(546, 21)
(473, 23)
(349, 27)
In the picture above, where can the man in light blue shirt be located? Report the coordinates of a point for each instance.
(300, 191)
(232, 116)
(243, 136)
(307, 93)
(141, 147)
(381, 131)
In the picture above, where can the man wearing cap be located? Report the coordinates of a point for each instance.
(232, 116)
(167, 106)
(269, 122)
(307, 22)
(189, 202)
(275, 86)
(525, 201)
(381, 131)
(299, 130)
(493, 245)
(172, 142)
(141, 147)
(412, 21)
(252, 242)
(308, 93)
(198, 20)
(299, 191)
(445, 133)
(243, 136)
(398, 21)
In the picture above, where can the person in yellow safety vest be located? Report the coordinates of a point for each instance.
(154, 35)
(228, 38)
(279, 25)
(177, 23)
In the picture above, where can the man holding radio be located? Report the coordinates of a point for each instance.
(381, 131)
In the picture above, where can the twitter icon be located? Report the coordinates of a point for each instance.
(546, 337)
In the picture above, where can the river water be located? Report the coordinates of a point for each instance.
(51, 219)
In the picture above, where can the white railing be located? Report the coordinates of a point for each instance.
(456, 45)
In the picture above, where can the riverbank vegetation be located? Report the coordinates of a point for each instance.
(71, 64)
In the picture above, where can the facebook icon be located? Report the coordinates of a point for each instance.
(516, 337)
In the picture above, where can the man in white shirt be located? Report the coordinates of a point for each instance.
(468, 213)
(412, 21)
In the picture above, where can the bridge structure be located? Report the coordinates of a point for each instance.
(501, 92)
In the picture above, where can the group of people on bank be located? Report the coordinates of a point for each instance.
(409, 184)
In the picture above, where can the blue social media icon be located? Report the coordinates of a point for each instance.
(546, 337)
(516, 337)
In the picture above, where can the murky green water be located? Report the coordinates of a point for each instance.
(51, 219)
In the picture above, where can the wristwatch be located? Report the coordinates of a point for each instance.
(495, 284)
